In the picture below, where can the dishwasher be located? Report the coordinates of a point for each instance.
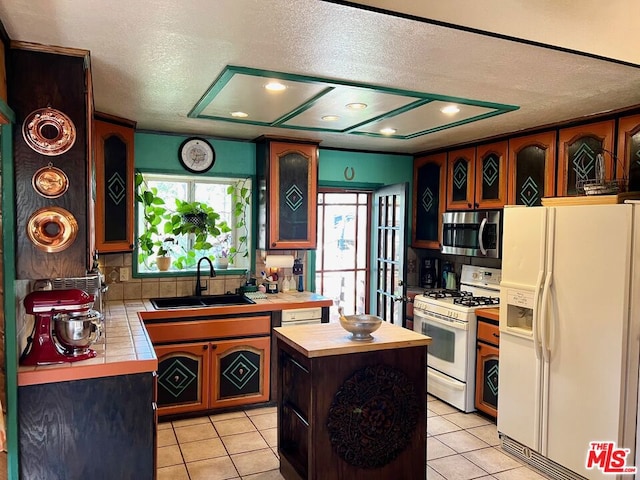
(301, 316)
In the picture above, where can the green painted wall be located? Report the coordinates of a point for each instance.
(369, 169)
(159, 153)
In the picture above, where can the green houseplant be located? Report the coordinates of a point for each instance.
(196, 220)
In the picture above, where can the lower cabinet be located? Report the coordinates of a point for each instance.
(212, 374)
(98, 428)
(487, 366)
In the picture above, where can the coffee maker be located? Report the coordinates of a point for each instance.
(429, 268)
(65, 326)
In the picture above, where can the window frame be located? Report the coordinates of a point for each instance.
(191, 182)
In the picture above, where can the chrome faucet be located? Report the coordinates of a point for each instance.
(212, 273)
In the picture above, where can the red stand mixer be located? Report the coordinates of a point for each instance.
(65, 326)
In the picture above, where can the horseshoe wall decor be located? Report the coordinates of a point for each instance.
(347, 176)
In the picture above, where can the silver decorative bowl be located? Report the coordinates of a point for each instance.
(360, 326)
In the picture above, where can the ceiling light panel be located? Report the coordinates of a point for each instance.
(334, 103)
(427, 118)
(306, 100)
(246, 93)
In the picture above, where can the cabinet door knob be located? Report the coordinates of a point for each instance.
(469, 205)
(477, 205)
(273, 244)
(204, 347)
(497, 335)
(213, 347)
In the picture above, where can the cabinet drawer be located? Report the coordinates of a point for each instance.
(296, 385)
(180, 331)
(488, 332)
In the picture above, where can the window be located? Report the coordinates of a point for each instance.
(214, 193)
(342, 269)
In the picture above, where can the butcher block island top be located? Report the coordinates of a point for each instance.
(325, 339)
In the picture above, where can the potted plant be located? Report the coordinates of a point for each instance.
(163, 256)
(155, 222)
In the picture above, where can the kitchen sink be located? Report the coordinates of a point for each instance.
(200, 302)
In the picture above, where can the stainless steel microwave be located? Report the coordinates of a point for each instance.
(475, 234)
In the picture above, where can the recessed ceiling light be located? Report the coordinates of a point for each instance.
(330, 118)
(275, 86)
(388, 131)
(450, 109)
(356, 106)
(239, 114)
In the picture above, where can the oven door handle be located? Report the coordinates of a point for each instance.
(480, 234)
(456, 324)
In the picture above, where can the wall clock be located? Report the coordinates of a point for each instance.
(196, 155)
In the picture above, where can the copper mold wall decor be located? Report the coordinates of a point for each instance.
(373, 416)
(52, 229)
(49, 131)
(50, 182)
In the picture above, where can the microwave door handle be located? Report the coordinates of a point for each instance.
(480, 234)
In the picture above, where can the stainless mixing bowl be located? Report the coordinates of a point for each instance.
(76, 332)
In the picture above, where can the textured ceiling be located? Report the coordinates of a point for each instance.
(153, 62)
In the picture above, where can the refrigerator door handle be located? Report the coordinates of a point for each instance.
(536, 311)
(480, 234)
(546, 352)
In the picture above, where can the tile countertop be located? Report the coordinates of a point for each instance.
(125, 346)
(277, 301)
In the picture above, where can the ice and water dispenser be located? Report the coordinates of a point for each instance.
(519, 308)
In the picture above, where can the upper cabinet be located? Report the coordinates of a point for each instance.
(491, 175)
(460, 179)
(477, 177)
(577, 155)
(532, 169)
(113, 139)
(628, 165)
(288, 188)
(428, 200)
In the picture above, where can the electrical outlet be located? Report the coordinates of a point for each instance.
(124, 274)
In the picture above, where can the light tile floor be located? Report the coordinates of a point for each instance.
(242, 446)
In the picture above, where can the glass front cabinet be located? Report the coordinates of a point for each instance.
(578, 156)
(114, 152)
(628, 165)
(288, 190)
(477, 177)
(428, 200)
(532, 167)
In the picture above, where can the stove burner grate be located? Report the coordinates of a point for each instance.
(468, 301)
(446, 294)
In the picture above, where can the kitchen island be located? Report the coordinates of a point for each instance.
(351, 409)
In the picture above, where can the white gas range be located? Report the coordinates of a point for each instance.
(448, 317)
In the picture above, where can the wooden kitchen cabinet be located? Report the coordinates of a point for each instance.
(577, 151)
(628, 165)
(288, 186)
(94, 428)
(487, 365)
(477, 177)
(211, 363)
(429, 186)
(114, 160)
(532, 169)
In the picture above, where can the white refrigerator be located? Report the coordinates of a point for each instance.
(569, 334)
